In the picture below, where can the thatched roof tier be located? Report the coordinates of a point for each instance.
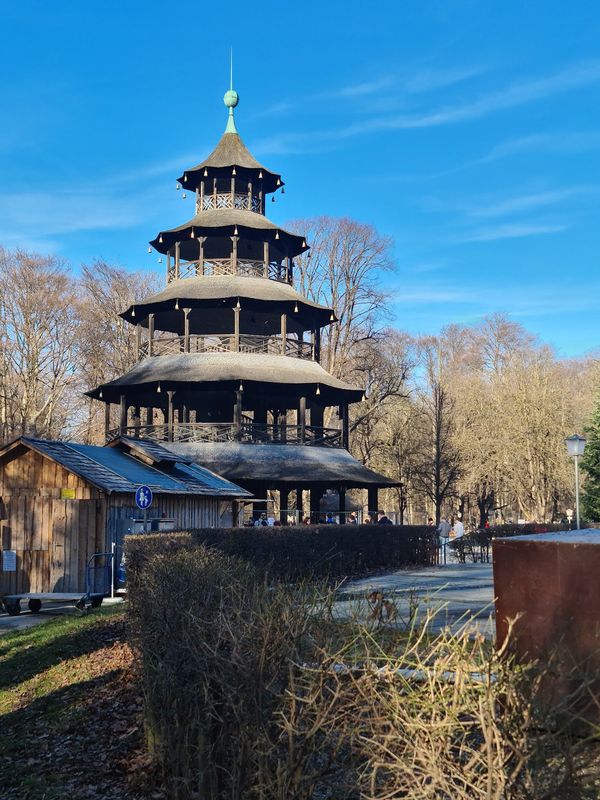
(227, 222)
(210, 297)
(261, 376)
(282, 466)
(231, 152)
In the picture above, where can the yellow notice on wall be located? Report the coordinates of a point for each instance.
(67, 494)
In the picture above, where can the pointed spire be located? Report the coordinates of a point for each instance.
(231, 98)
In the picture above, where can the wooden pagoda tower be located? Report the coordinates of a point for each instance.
(228, 368)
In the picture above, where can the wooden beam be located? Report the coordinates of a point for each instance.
(299, 503)
(170, 394)
(236, 329)
(177, 259)
(202, 195)
(122, 413)
(106, 421)
(138, 338)
(284, 500)
(283, 333)
(345, 425)
(150, 333)
(201, 240)
(266, 259)
(372, 501)
(237, 414)
(149, 416)
(186, 329)
(342, 496)
(318, 345)
(234, 254)
(302, 418)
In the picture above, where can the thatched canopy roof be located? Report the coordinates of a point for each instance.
(212, 296)
(231, 152)
(282, 465)
(225, 222)
(276, 375)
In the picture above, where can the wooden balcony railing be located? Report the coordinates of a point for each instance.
(244, 201)
(230, 266)
(226, 343)
(248, 432)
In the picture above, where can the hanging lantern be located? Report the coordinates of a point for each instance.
(177, 304)
(278, 182)
(273, 199)
(158, 388)
(283, 190)
(133, 311)
(332, 317)
(237, 305)
(296, 308)
(160, 239)
(277, 234)
(185, 177)
(184, 196)
(303, 242)
(100, 395)
(149, 249)
(177, 186)
(241, 386)
(160, 260)
(192, 234)
(260, 175)
(363, 399)
(235, 231)
(233, 171)
(318, 389)
(205, 172)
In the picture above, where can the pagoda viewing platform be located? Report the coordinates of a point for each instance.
(247, 431)
(227, 343)
(245, 267)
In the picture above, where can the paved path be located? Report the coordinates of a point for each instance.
(458, 593)
(48, 612)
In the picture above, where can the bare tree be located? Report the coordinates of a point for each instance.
(39, 325)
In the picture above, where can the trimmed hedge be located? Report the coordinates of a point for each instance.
(497, 531)
(319, 551)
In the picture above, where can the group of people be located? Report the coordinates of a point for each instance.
(380, 518)
(449, 530)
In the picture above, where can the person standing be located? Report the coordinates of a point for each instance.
(443, 531)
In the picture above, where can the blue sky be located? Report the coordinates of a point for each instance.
(469, 131)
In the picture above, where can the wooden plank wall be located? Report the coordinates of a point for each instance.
(53, 537)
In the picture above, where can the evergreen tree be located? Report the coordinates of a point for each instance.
(590, 463)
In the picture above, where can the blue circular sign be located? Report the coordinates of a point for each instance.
(143, 497)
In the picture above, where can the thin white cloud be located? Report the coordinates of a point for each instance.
(514, 231)
(526, 202)
(364, 88)
(429, 80)
(556, 142)
(515, 95)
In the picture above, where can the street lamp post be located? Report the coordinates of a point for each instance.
(575, 447)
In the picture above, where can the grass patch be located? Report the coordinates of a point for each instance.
(69, 709)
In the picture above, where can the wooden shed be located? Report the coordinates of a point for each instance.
(61, 502)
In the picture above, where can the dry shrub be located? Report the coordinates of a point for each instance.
(254, 691)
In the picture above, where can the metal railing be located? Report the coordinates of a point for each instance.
(248, 432)
(226, 343)
(244, 267)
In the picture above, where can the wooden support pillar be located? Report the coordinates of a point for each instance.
(122, 414)
(249, 195)
(136, 421)
(201, 206)
(149, 416)
(316, 493)
(372, 502)
(287, 269)
(316, 416)
(138, 341)
(235, 513)
(342, 496)
(201, 240)
(266, 259)
(214, 192)
(284, 501)
(170, 418)
(177, 259)
(318, 345)
(168, 260)
(233, 190)
(302, 419)
(283, 333)
(282, 424)
(299, 504)
(185, 414)
(106, 421)
(236, 328)
(150, 334)
(313, 350)
(345, 425)
(237, 414)
(234, 254)
(186, 329)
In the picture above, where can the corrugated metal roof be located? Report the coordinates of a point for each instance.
(112, 470)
